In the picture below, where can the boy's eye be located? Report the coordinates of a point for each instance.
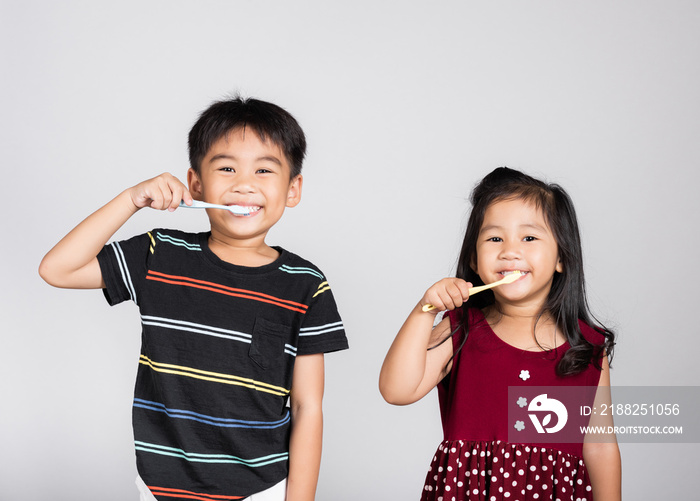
(227, 169)
(263, 171)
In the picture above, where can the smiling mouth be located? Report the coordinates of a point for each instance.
(510, 272)
(244, 210)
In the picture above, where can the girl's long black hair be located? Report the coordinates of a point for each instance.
(566, 301)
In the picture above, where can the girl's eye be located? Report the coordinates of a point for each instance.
(529, 239)
(495, 239)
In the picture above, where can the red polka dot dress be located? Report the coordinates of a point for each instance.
(475, 460)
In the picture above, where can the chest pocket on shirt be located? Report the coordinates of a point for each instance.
(267, 345)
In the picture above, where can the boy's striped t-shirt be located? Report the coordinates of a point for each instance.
(219, 341)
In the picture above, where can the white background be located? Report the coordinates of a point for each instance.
(406, 105)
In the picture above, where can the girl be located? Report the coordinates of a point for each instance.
(536, 331)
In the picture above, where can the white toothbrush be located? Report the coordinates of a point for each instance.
(508, 279)
(197, 204)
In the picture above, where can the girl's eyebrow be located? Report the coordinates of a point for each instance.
(533, 226)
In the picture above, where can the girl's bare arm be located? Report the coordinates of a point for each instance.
(410, 370)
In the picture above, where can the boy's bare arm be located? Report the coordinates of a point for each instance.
(72, 263)
(307, 427)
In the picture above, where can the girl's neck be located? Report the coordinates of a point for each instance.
(525, 328)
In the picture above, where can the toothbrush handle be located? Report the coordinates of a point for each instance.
(196, 204)
(472, 291)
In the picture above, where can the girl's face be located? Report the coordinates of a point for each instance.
(515, 237)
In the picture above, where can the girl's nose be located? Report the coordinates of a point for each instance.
(510, 250)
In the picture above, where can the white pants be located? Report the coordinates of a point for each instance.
(277, 492)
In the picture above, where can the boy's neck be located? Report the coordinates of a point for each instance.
(243, 253)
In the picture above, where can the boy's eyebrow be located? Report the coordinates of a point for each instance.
(224, 156)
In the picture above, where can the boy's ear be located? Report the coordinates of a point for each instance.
(194, 184)
(294, 192)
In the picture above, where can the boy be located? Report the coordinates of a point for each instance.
(232, 329)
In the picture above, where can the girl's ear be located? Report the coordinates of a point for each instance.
(473, 266)
(194, 184)
(560, 267)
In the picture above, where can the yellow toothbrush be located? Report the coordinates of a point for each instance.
(508, 279)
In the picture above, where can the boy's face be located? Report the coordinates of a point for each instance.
(240, 169)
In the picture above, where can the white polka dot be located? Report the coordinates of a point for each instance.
(515, 483)
(475, 471)
(460, 483)
(475, 491)
(544, 467)
(506, 495)
(440, 468)
(506, 475)
(449, 468)
(447, 487)
(588, 488)
(533, 468)
(529, 487)
(579, 482)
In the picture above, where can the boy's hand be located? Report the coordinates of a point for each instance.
(447, 294)
(161, 193)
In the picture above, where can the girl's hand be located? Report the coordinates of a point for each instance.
(447, 294)
(161, 193)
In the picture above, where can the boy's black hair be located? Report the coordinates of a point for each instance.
(267, 120)
(566, 301)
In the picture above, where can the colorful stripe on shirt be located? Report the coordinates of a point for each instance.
(214, 377)
(300, 269)
(223, 289)
(183, 494)
(321, 329)
(177, 241)
(323, 287)
(207, 330)
(195, 457)
(210, 420)
(124, 270)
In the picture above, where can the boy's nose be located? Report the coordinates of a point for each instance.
(244, 184)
